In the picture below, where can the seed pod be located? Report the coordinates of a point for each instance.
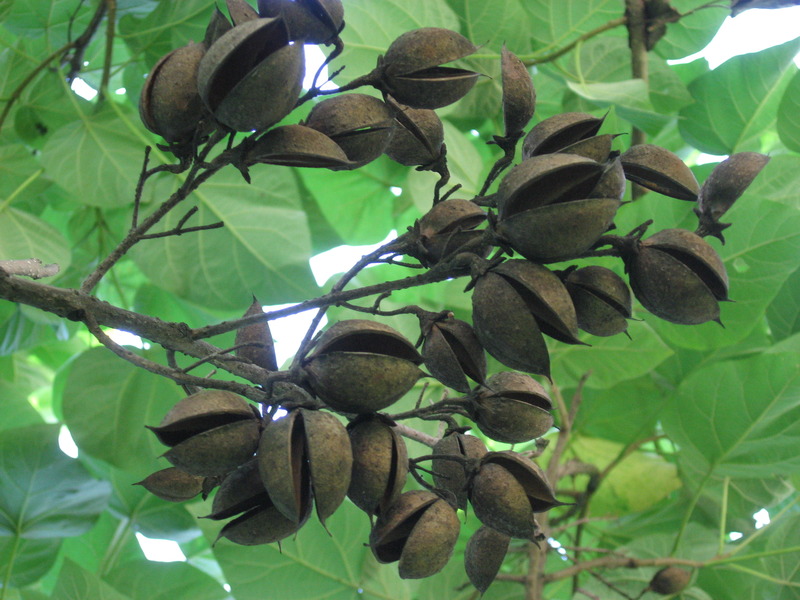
(670, 580)
(312, 21)
(446, 228)
(298, 146)
(362, 366)
(172, 484)
(602, 300)
(452, 353)
(218, 25)
(170, 105)
(596, 147)
(484, 555)
(678, 277)
(240, 490)
(210, 432)
(251, 77)
(507, 490)
(418, 137)
(240, 11)
(660, 170)
(361, 125)
(419, 530)
(452, 475)
(330, 460)
(380, 464)
(260, 348)
(612, 182)
(519, 95)
(513, 408)
(557, 132)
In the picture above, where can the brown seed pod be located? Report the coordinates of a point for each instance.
(513, 408)
(452, 353)
(596, 147)
(670, 580)
(330, 460)
(298, 146)
(484, 555)
(240, 490)
(240, 11)
(172, 484)
(453, 475)
(259, 348)
(412, 71)
(612, 182)
(210, 432)
(260, 525)
(217, 26)
(602, 300)
(419, 530)
(519, 95)
(558, 132)
(170, 105)
(446, 228)
(312, 21)
(361, 125)
(660, 170)
(418, 137)
(362, 366)
(251, 77)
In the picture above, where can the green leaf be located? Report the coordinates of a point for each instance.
(17, 411)
(23, 235)
(46, 106)
(363, 194)
(740, 417)
(314, 564)
(108, 541)
(56, 18)
(610, 359)
(738, 100)
(75, 583)
(692, 32)
(630, 98)
(145, 580)
(106, 404)
(492, 24)
(45, 493)
(789, 115)
(784, 566)
(26, 561)
(554, 23)
(262, 250)
(783, 313)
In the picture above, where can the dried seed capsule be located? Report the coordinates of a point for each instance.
(362, 366)
(412, 71)
(210, 432)
(558, 132)
(419, 530)
(361, 125)
(670, 580)
(298, 146)
(452, 353)
(453, 475)
(602, 300)
(259, 348)
(446, 228)
(513, 408)
(418, 137)
(484, 555)
(519, 96)
(312, 21)
(173, 484)
(170, 105)
(660, 170)
(380, 464)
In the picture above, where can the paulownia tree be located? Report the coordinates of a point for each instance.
(528, 391)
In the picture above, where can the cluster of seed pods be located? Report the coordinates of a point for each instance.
(558, 204)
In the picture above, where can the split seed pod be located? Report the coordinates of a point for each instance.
(260, 348)
(452, 475)
(380, 464)
(306, 453)
(506, 492)
(362, 366)
(412, 71)
(513, 408)
(519, 96)
(173, 484)
(251, 77)
(484, 555)
(602, 300)
(298, 146)
(678, 276)
(559, 131)
(446, 228)
(452, 353)
(312, 21)
(361, 125)
(419, 530)
(418, 138)
(670, 580)
(660, 170)
(210, 432)
(170, 105)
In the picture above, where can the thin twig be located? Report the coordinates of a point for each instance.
(586, 36)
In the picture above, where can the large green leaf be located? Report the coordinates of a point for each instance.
(76, 583)
(492, 24)
(739, 417)
(693, 31)
(145, 580)
(46, 106)
(54, 19)
(738, 100)
(23, 235)
(783, 565)
(263, 249)
(555, 23)
(784, 312)
(25, 561)
(789, 115)
(45, 494)
(372, 25)
(110, 541)
(314, 564)
(106, 404)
